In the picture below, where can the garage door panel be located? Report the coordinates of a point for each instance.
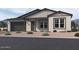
(18, 26)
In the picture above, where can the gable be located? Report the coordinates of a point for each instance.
(60, 13)
(43, 13)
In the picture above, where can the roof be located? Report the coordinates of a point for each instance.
(48, 9)
(61, 12)
(38, 10)
(11, 19)
(15, 19)
(30, 13)
(34, 12)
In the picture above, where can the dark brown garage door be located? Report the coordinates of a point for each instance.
(18, 26)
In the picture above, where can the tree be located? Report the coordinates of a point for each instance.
(74, 26)
(3, 24)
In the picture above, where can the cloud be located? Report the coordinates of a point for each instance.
(5, 16)
(6, 13)
(21, 10)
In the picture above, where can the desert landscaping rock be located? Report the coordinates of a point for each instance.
(39, 35)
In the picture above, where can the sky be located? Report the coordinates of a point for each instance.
(6, 13)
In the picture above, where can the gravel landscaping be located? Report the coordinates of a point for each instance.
(39, 34)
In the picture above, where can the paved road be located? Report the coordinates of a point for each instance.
(21, 43)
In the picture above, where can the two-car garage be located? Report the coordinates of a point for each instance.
(18, 26)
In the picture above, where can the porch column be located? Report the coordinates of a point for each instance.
(9, 26)
(68, 23)
(28, 25)
(50, 24)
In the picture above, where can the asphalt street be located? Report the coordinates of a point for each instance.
(23, 43)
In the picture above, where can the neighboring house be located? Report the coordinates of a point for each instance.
(3, 26)
(75, 25)
(41, 21)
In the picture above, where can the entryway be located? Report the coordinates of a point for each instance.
(33, 26)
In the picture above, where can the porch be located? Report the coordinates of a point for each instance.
(38, 25)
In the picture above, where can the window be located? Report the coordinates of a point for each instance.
(58, 22)
(43, 24)
(61, 22)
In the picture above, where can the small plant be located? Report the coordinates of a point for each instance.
(74, 30)
(77, 35)
(68, 31)
(45, 34)
(29, 32)
(7, 33)
(5, 30)
(54, 30)
(18, 32)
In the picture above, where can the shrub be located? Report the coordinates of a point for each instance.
(68, 31)
(74, 30)
(54, 30)
(7, 33)
(29, 32)
(77, 35)
(0, 29)
(18, 32)
(5, 30)
(45, 34)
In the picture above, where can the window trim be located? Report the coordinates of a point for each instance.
(43, 24)
(59, 23)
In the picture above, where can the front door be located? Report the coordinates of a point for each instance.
(33, 25)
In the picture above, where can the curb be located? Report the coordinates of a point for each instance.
(40, 37)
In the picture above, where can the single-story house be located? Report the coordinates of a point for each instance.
(44, 20)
